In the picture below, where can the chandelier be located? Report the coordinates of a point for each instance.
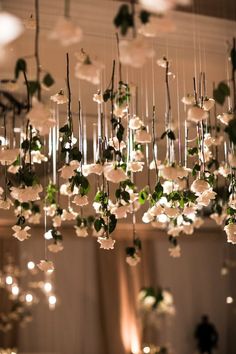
(195, 179)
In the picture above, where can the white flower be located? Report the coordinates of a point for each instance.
(162, 62)
(148, 301)
(153, 164)
(118, 145)
(189, 209)
(81, 200)
(135, 52)
(68, 215)
(81, 231)
(46, 266)
(135, 123)
(175, 251)
(35, 218)
(55, 247)
(8, 156)
(156, 210)
(26, 194)
(206, 197)
(156, 26)
(66, 32)
(198, 222)
(133, 260)
(137, 155)
(225, 117)
(36, 157)
(114, 174)
(88, 70)
(95, 168)
(50, 210)
(135, 166)
(40, 118)
(5, 204)
(120, 110)
(158, 225)
(59, 98)
(199, 186)
(161, 6)
(56, 221)
(188, 100)
(147, 217)
(65, 189)
(13, 169)
(171, 212)
(188, 229)
(68, 171)
(98, 97)
(232, 160)
(218, 218)
(107, 243)
(224, 170)
(120, 211)
(173, 172)
(142, 137)
(196, 114)
(208, 104)
(208, 139)
(21, 233)
(175, 231)
(230, 230)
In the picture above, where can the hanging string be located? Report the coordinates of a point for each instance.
(178, 109)
(66, 8)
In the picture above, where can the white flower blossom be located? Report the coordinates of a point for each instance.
(98, 98)
(135, 123)
(120, 211)
(225, 117)
(68, 215)
(208, 104)
(133, 260)
(35, 218)
(80, 200)
(218, 218)
(21, 233)
(189, 100)
(205, 198)
(135, 52)
(59, 98)
(56, 221)
(26, 194)
(118, 145)
(114, 174)
(46, 266)
(107, 243)
(5, 204)
(95, 168)
(196, 114)
(147, 217)
(230, 230)
(88, 70)
(199, 186)
(175, 251)
(68, 171)
(8, 156)
(66, 32)
(55, 247)
(41, 118)
(81, 231)
(135, 166)
(232, 160)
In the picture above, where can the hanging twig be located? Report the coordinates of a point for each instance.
(154, 140)
(118, 51)
(233, 77)
(69, 95)
(67, 8)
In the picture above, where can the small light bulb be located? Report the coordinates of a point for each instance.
(146, 350)
(15, 290)
(30, 265)
(229, 300)
(29, 297)
(47, 287)
(9, 280)
(52, 299)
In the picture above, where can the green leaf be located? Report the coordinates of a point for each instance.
(34, 86)
(64, 129)
(143, 195)
(75, 154)
(48, 80)
(158, 191)
(221, 92)
(124, 19)
(130, 251)
(112, 223)
(144, 16)
(231, 130)
(193, 151)
(98, 223)
(106, 95)
(20, 66)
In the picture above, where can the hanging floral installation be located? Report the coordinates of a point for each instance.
(182, 188)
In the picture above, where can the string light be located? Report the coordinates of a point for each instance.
(31, 265)
(47, 287)
(9, 280)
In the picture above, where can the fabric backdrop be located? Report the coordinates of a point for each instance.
(97, 295)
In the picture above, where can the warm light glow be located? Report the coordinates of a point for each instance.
(15, 290)
(146, 350)
(10, 28)
(229, 300)
(30, 265)
(9, 280)
(48, 235)
(47, 287)
(29, 298)
(52, 300)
